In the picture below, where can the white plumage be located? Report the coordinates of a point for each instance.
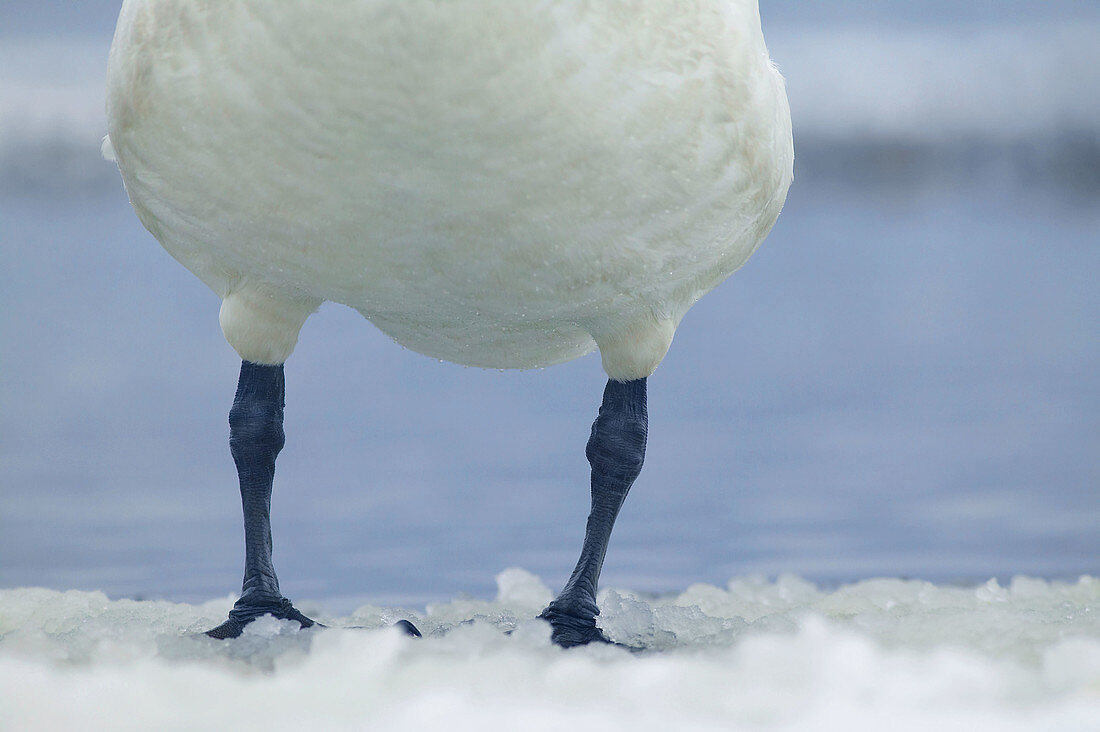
(500, 183)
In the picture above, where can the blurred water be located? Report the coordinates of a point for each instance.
(901, 382)
(895, 386)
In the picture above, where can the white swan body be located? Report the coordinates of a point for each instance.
(500, 183)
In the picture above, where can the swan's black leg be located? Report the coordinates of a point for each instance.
(255, 439)
(616, 451)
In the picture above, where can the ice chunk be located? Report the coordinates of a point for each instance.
(521, 588)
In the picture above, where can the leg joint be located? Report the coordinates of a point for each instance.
(617, 445)
(256, 423)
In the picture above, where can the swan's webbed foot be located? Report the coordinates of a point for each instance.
(572, 630)
(248, 609)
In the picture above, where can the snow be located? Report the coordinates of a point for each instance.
(756, 655)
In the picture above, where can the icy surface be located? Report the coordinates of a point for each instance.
(879, 654)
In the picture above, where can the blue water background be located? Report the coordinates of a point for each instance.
(903, 381)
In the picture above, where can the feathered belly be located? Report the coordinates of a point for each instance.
(498, 203)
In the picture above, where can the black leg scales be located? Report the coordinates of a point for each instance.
(616, 451)
(255, 439)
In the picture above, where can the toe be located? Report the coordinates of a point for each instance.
(229, 629)
(408, 627)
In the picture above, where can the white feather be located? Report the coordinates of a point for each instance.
(500, 183)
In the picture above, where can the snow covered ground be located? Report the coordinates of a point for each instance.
(756, 655)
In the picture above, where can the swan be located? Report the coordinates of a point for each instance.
(498, 183)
